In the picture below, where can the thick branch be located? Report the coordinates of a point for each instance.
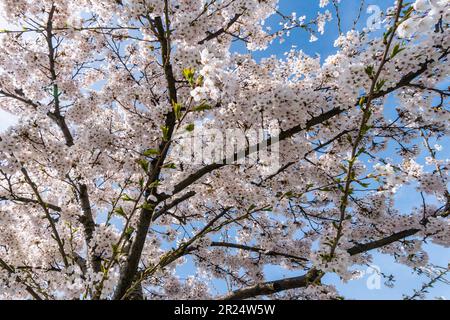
(28, 200)
(87, 220)
(256, 249)
(360, 248)
(173, 204)
(221, 30)
(272, 287)
(129, 270)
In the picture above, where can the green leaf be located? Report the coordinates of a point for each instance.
(379, 85)
(386, 35)
(369, 71)
(144, 164)
(120, 212)
(396, 50)
(115, 249)
(170, 166)
(154, 184)
(360, 151)
(407, 12)
(165, 131)
(147, 206)
(129, 231)
(362, 100)
(190, 127)
(199, 81)
(126, 197)
(363, 184)
(177, 110)
(189, 74)
(349, 139)
(151, 152)
(289, 194)
(202, 107)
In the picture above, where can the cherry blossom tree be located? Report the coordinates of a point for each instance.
(98, 202)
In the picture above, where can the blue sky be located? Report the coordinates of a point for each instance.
(406, 282)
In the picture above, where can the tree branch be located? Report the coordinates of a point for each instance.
(221, 30)
(48, 216)
(313, 275)
(10, 270)
(256, 249)
(129, 270)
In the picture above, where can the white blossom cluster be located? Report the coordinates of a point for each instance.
(92, 184)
